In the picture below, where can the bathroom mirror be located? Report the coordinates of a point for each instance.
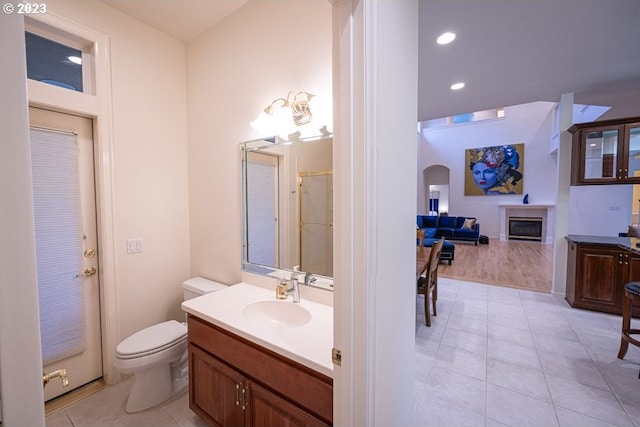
(288, 208)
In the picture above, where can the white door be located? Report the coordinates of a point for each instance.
(66, 247)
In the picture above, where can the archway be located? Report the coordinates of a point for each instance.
(435, 197)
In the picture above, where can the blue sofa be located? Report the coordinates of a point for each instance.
(451, 227)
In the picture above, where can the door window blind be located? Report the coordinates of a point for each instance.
(59, 243)
(261, 214)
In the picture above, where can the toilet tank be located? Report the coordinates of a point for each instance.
(198, 286)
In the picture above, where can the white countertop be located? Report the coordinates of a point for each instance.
(309, 344)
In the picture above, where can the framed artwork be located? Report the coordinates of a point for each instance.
(494, 170)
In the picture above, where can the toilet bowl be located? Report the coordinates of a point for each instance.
(157, 355)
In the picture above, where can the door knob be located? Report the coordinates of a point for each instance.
(88, 272)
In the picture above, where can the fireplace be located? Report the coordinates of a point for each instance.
(525, 228)
(528, 211)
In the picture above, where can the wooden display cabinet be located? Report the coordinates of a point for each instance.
(606, 152)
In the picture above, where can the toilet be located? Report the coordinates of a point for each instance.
(157, 355)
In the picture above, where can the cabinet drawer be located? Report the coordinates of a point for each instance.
(294, 382)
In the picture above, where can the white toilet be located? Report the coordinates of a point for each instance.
(157, 355)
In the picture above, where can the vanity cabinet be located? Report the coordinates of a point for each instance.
(596, 275)
(604, 152)
(234, 382)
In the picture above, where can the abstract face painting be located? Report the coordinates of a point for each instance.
(494, 170)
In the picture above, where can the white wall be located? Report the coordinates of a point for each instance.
(529, 124)
(255, 55)
(600, 210)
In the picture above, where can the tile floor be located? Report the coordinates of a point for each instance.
(493, 357)
(497, 356)
(106, 408)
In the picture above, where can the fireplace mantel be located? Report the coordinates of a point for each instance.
(546, 212)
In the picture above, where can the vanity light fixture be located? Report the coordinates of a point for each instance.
(446, 38)
(75, 59)
(291, 117)
(457, 86)
(299, 105)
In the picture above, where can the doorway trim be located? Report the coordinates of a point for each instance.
(98, 107)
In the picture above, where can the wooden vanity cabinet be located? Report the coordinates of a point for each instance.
(596, 275)
(234, 382)
(604, 152)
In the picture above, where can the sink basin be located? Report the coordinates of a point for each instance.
(282, 313)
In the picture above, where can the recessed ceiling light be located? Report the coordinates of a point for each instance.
(75, 59)
(457, 86)
(446, 38)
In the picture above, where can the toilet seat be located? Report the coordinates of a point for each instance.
(152, 340)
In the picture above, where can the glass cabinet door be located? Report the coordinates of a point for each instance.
(633, 153)
(601, 154)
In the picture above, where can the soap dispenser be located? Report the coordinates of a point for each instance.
(281, 289)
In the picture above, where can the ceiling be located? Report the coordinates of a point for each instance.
(507, 52)
(512, 52)
(181, 19)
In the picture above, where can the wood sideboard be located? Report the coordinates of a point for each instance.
(597, 270)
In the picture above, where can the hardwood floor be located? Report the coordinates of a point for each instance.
(514, 264)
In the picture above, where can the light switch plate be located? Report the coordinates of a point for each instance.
(134, 246)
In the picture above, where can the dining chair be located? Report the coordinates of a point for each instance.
(428, 285)
(420, 237)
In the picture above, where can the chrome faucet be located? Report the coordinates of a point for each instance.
(308, 278)
(282, 291)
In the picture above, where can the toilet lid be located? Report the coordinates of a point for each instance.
(201, 286)
(153, 338)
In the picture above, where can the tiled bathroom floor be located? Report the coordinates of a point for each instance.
(106, 408)
(493, 357)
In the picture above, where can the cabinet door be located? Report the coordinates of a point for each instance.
(266, 409)
(632, 274)
(214, 390)
(572, 265)
(631, 160)
(598, 278)
(599, 154)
